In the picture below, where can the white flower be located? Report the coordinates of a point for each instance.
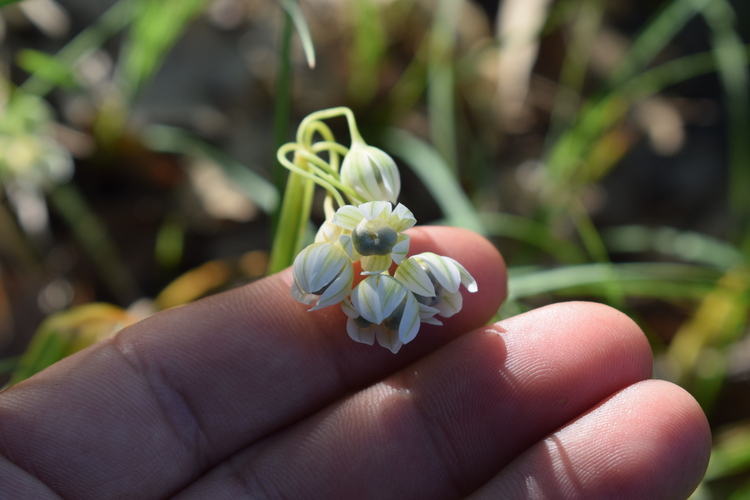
(322, 272)
(371, 173)
(382, 308)
(329, 233)
(435, 281)
(375, 237)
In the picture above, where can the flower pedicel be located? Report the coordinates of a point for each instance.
(389, 308)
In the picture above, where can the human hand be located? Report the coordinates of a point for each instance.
(246, 394)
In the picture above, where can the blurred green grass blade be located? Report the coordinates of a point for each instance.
(367, 51)
(691, 279)
(48, 67)
(298, 18)
(732, 64)
(740, 493)
(602, 113)
(156, 27)
(46, 348)
(441, 81)
(93, 236)
(685, 245)
(731, 452)
(91, 38)
(586, 26)
(170, 242)
(656, 34)
(282, 107)
(67, 332)
(3, 3)
(716, 323)
(174, 140)
(437, 177)
(7, 365)
(532, 233)
(569, 148)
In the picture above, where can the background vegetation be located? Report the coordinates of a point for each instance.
(604, 147)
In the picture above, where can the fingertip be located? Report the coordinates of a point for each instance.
(680, 431)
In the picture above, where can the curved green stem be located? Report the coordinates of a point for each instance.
(334, 149)
(323, 170)
(324, 114)
(319, 127)
(304, 173)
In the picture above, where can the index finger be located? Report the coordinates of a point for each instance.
(153, 408)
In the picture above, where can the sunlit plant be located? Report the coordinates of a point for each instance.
(363, 231)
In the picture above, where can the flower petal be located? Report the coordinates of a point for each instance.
(326, 263)
(444, 269)
(401, 248)
(358, 173)
(359, 334)
(300, 296)
(348, 308)
(338, 289)
(304, 267)
(409, 326)
(402, 218)
(376, 297)
(367, 301)
(373, 209)
(432, 320)
(387, 338)
(375, 264)
(392, 292)
(450, 304)
(411, 274)
(347, 217)
(467, 279)
(328, 233)
(345, 240)
(391, 180)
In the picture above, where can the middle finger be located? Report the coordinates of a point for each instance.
(445, 425)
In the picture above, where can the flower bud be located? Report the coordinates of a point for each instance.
(323, 274)
(372, 173)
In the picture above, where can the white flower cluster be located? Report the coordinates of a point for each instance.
(389, 308)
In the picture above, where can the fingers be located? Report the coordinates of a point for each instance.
(445, 425)
(170, 396)
(650, 440)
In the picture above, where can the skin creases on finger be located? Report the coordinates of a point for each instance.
(447, 424)
(650, 440)
(151, 409)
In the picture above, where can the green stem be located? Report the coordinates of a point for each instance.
(287, 241)
(306, 170)
(283, 102)
(334, 149)
(322, 169)
(318, 177)
(325, 114)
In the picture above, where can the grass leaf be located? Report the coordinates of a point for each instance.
(155, 29)
(437, 176)
(298, 18)
(48, 68)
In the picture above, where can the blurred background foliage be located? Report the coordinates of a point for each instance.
(603, 146)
